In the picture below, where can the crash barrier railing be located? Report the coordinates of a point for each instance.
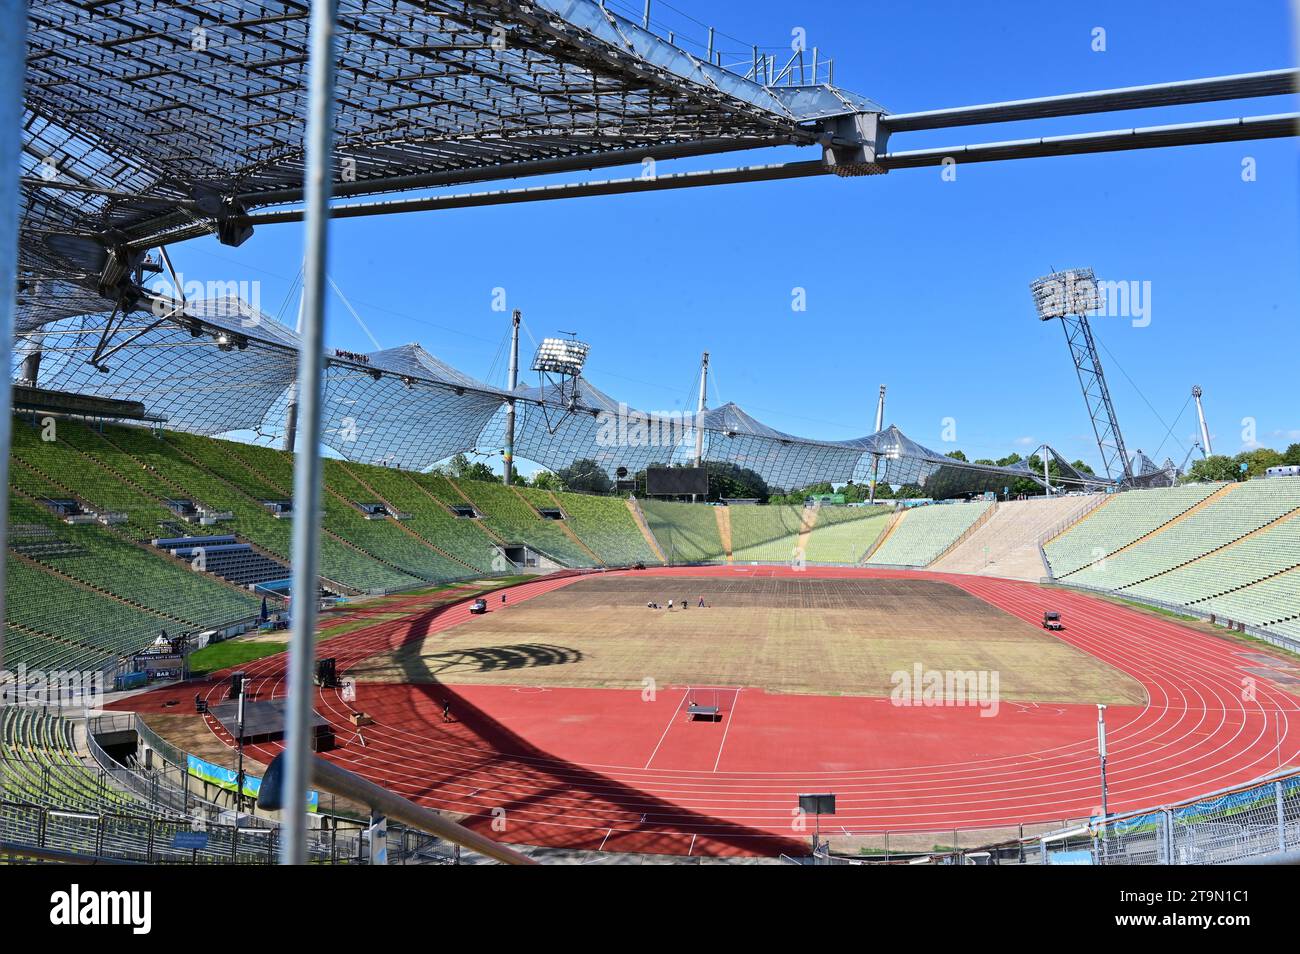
(383, 804)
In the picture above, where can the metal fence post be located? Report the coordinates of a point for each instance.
(1167, 821)
(307, 466)
(13, 65)
(1278, 800)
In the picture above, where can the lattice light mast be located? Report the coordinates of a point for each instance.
(508, 455)
(1206, 448)
(1070, 295)
(558, 363)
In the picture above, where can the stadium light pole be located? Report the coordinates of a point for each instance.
(307, 467)
(13, 64)
(1101, 755)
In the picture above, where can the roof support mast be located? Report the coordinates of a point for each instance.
(875, 458)
(508, 455)
(700, 407)
(1206, 448)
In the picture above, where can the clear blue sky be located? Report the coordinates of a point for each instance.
(911, 281)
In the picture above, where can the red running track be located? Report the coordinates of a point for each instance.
(618, 770)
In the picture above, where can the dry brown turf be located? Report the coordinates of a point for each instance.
(825, 636)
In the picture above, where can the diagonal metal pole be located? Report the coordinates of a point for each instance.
(307, 465)
(13, 64)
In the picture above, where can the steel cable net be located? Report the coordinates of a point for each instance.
(401, 407)
(217, 366)
(179, 115)
(558, 425)
(182, 372)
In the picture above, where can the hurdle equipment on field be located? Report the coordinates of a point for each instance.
(703, 712)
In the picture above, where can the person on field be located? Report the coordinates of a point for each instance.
(446, 711)
(701, 602)
(670, 606)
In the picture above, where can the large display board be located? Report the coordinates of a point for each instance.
(675, 481)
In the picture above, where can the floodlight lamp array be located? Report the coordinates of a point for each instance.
(561, 356)
(1069, 292)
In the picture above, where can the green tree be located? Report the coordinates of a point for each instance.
(1292, 455)
(1216, 467)
(585, 476)
(545, 480)
(1259, 460)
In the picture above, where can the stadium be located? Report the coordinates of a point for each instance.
(521, 615)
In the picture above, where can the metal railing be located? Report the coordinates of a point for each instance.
(1280, 640)
(1254, 823)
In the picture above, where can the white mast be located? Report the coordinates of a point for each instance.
(699, 412)
(508, 455)
(1206, 449)
(875, 458)
(699, 409)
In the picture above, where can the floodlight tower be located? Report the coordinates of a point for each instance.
(1206, 448)
(1070, 295)
(559, 363)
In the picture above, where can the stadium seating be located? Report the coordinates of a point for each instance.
(195, 464)
(102, 559)
(765, 534)
(687, 533)
(1006, 544)
(106, 488)
(516, 521)
(606, 526)
(39, 764)
(381, 540)
(429, 516)
(46, 604)
(83, 593)
(1255, 558)
(925, 532)
(845, 534)
(1118, 522)
(1228, 517)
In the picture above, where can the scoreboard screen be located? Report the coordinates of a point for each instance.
(675, 481)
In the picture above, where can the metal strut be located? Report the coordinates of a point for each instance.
(1105, 425)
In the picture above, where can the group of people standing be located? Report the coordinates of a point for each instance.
(685, 604)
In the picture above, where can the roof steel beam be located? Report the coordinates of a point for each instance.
(568, 190)
(1111, 140)
(1209, 89)
(1114, 140)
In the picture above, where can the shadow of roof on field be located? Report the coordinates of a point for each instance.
(594, 804)
(427, 667)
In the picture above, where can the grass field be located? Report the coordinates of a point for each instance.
(823, 636)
